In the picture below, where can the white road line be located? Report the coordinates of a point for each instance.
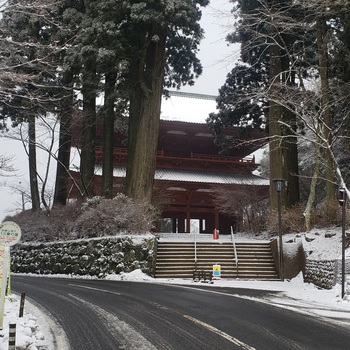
(99, 289)
(221, 333)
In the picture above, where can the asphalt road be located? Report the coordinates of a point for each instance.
(111, 315)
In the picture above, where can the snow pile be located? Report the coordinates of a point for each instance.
(136, 275)
(325, 244)
(31, 334)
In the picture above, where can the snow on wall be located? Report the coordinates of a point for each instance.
(320, 272)
(95, 257)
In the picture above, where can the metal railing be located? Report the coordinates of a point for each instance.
(195, 251)
(234, 250)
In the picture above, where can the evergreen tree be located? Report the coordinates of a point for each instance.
(272, 53)
(129, 51)
(161, 37)
(68, 16)
(97, 60)
(27, 58)
(340, 71)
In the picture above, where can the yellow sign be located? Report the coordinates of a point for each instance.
(217, 271)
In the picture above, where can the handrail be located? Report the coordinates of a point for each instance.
(235, 250)
(195, 251)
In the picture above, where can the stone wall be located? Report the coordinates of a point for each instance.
(93, 257)
(320, 272)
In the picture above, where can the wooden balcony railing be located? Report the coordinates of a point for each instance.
(121, 153)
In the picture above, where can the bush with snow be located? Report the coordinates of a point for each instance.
(97, 217)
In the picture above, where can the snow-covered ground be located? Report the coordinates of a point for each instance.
(33, 332)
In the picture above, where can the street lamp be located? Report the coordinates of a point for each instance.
(342, 201)
(279, 184)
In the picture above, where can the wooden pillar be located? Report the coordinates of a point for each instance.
(174, 228)
(188, 220)
(200, 225)
(181, 225)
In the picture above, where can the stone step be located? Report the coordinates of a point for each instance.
(208, 264)
(212, 246)
(224, 274)
(176, 259)
(230, 255)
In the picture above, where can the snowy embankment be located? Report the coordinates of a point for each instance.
(32, 330)
(33, 333)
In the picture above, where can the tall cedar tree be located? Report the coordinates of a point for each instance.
(162, 40)
(45, 27)
(112, 67)
(28, 58)
(341, 71)
(153, 45)
(246, 99)
(94, 58)
(123, 46)
(81, 59)
(68, 16)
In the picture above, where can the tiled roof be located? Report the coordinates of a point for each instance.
(200, 176)
(210, 177)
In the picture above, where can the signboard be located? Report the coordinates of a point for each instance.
(2, 258)
(216, 271)
(10, 233)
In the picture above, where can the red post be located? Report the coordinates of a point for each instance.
(215, 234)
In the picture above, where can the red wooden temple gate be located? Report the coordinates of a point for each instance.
(189, 168)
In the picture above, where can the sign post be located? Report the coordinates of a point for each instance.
(10, 234)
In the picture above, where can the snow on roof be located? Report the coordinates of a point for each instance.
(198, 176)
(210, 177)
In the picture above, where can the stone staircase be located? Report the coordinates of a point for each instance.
(177, 259)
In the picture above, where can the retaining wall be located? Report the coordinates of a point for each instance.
(93, 257)
(320, 272)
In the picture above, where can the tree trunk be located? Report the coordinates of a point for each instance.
(63, 156)
(290, 141)
(108, 135)
(33, 175)
(313, 185)
(275, 132)
(325, 116)
(147, 74)
(290, 157)
(87, 160)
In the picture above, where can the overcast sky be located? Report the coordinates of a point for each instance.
(217, 59)
(216, 55)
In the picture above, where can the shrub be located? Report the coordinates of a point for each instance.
(292, 219)
(105, 217)
(97, 217)
(46, 225)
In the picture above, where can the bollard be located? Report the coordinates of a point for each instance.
(216, 234)
(21, 306)
(12, 336)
